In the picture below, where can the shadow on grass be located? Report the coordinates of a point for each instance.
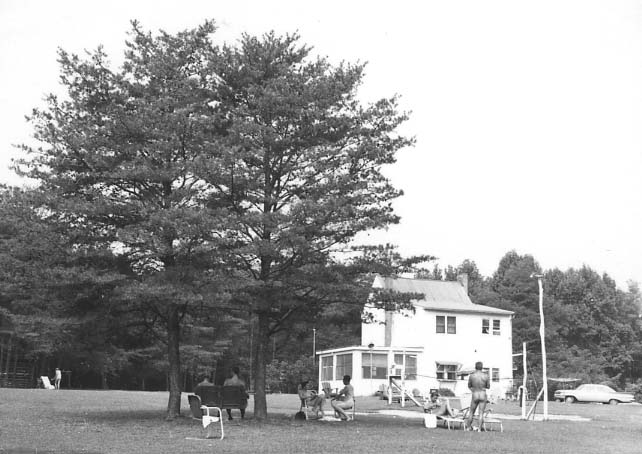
(40, 451)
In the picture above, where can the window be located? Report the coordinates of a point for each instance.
(446, 371)
(374, 365)
(495, 374)
(326, 368)
(441, 324)
(496, 327)
(407, 363)
(446, 324)
(485, 326)
(452, 325)
(344, 365)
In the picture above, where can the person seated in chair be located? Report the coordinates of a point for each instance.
(439, 406)
(234, 380)
(310, 396)
(205, 382)
(344, 399)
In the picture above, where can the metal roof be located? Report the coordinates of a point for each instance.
(447, 296)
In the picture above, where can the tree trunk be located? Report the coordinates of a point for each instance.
(173, 355)
(8, 359)
(263, 341)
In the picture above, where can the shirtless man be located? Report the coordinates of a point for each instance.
(478, 382)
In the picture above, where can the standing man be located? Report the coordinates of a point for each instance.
(57, 378)
(478, 382)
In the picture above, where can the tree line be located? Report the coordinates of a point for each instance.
(593, 328)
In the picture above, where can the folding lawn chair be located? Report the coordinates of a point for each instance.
(202, 412)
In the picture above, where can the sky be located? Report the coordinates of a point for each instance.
(527, 115)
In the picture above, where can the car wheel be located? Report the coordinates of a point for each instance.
(614, 402)
(569, 399)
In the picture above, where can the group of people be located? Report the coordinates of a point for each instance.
(340, 401)
(478, 383)
(233, 379)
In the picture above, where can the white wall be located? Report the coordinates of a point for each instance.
(466, 347)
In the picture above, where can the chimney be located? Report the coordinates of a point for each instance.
(463, 280)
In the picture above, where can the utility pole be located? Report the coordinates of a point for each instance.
(542, 335)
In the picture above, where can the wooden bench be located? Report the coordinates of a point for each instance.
(223, 397)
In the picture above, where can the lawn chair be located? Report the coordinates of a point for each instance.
(46, 383)
(489, 422)
(459, 420)
(327, 390)
(352, 413)
(202, 412)
(303, 407)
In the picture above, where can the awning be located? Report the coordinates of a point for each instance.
(466, 370)
(448, 363)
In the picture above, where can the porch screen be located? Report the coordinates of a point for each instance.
(326, 368)
(374, 365)
(344, 365)
(410, 363)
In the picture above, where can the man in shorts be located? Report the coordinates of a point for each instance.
(478, 382)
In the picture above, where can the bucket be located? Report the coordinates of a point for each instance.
(430, 421)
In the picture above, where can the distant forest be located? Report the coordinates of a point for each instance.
(593, 330)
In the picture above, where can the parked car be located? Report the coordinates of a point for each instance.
(593, 393)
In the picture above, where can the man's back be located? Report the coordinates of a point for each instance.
(234, 381)
(478, 381)
(204, 384)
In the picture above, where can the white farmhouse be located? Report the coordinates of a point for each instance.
(436, 347)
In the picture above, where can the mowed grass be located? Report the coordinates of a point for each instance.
(74, 421)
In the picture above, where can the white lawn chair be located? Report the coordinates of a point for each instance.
(202, 412)
(46, 383)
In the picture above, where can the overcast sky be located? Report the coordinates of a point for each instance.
(527, 114)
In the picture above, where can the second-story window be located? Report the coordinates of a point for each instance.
(451, 323)
(496, 328)
(446, 324)
(485, 326)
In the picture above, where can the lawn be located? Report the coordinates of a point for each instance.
(74, 421)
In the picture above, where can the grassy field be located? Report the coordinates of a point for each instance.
(70, 421)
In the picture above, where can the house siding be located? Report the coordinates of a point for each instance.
(416, 333)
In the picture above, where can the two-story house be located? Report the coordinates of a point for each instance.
(434, 347)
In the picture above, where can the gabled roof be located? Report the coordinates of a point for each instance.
(447, 296)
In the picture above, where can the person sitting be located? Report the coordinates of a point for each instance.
(439, 406)
(205, 382)
(344, 399)
(234, 380)
(311, 398)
